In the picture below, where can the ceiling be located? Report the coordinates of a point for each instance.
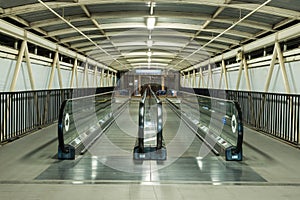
(186, 32)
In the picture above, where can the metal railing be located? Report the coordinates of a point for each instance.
(26, 111)
(275, 114)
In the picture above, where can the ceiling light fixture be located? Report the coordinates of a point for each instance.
(151, 23)
(149, 43)
(149, 53)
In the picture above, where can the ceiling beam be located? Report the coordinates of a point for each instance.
(133, 47)
(129, 14)
(219, 3)
(134, 34)
(25, 23)
(81, 38)
(19, 33)
(220, 39)
(268, 10)
(157, 33)
(159, 26)
(95, 22)
(137, 60)
(283, 35)
(71, 30)
(54, 21)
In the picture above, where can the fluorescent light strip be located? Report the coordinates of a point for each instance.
(151, 23)
(149, 53)
(149, 43)
(79, 31)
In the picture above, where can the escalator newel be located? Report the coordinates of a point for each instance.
(145, 150)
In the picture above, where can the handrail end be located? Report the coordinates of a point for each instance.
(233, 154)
(66, 153)
(60, 133)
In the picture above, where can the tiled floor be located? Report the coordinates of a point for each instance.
(188, 169)
(29, 170)
(144, 192)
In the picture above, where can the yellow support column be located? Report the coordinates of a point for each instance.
(74, 74)
(53, 70)
(209, 77)
(224, 70)
(282, 67)
(102, 78)
(243, 64)
(194, 79)
(188, 79)
(59, 75)
(28, 62)
(247, 74)
(270, 73)
(162, 82)
(18, 66)
(115, 79)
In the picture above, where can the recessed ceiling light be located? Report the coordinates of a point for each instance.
(151, 23)
(149, 53)
(149, 43)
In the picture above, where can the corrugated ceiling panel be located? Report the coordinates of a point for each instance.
(37, 16)
(118, 7)
(189, 8)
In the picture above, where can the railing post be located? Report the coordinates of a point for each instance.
(6, 116)
(298, 118)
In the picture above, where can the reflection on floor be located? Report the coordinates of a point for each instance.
(187, 169)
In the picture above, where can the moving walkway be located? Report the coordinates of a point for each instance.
(216, 122)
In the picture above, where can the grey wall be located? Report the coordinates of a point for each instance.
(41, 74)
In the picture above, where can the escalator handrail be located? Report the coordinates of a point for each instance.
(141, 122)
(159, 126)
(60, 132)
(240, 128)
(240, 132)
(144, 96)
(154, 95)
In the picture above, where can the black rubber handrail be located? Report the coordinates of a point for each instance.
(240, 133)
(141, 122)
(239, 143)
(154, 95)
(159, 137)
(60, 132)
